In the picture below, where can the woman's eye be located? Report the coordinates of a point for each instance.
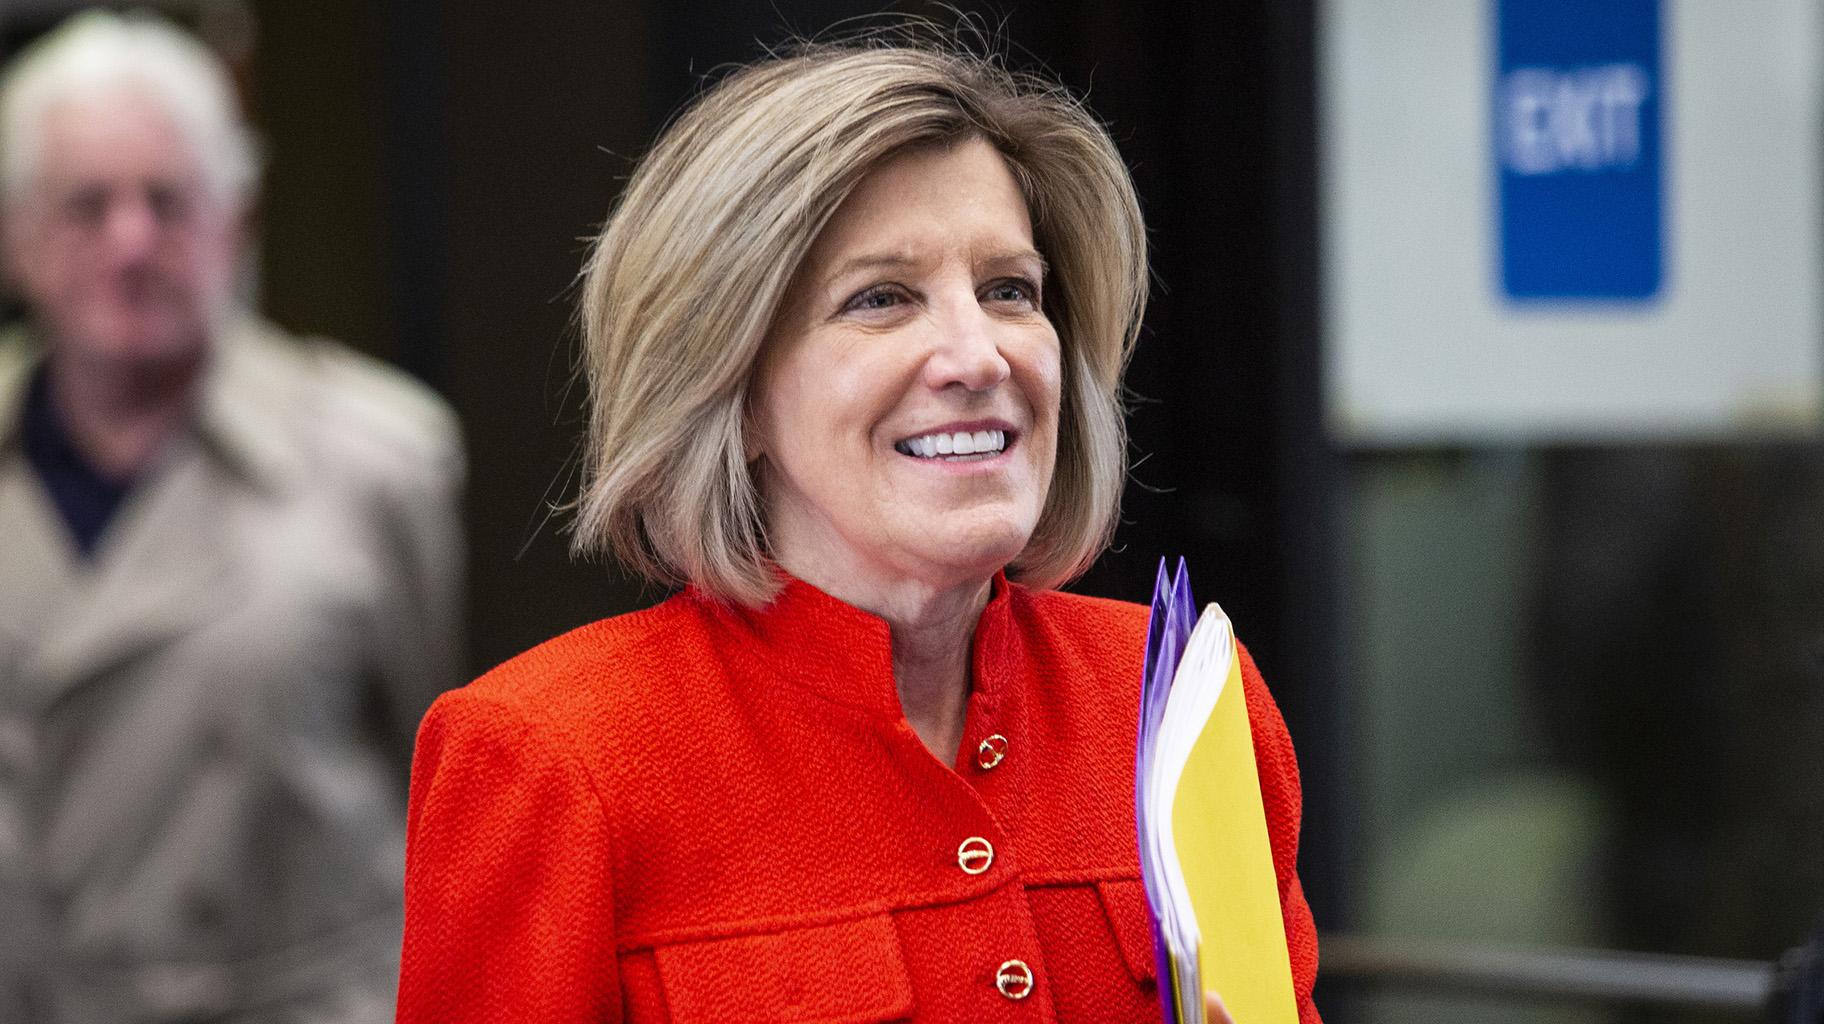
(1014, 290)
(875, 299)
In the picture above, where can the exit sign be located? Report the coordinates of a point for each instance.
(1579, 101)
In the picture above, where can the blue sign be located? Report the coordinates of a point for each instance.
(1578, 105)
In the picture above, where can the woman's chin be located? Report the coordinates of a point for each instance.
(976, 550)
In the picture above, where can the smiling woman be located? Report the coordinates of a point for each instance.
(854, 340)
(906, 407)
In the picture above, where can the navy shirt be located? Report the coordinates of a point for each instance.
(86, 498)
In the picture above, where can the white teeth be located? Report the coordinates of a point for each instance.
(962, 442)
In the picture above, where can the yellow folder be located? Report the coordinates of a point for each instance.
(1220, 834)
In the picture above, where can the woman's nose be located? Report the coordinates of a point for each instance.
(967, 351)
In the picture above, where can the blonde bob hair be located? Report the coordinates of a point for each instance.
(686, 279)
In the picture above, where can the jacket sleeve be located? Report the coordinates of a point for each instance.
(1283, 801)
(508, 895)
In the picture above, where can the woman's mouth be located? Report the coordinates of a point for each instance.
(955, 446)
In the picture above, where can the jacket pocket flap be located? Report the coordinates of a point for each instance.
(1124, 901)
(847, 972)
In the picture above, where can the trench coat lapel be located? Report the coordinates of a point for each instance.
(163, 566)
(160, 572)
(35, 558)
(35, 552)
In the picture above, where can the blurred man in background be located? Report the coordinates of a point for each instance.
(229, 570)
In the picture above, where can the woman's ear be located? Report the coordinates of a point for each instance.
(753, 435)
(752, 443)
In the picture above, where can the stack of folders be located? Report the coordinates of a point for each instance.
(1204, 851)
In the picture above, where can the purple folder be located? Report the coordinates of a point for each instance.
(1174, 615)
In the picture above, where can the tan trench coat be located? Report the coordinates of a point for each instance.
(205, 729)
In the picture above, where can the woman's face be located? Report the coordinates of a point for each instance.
(906, 412)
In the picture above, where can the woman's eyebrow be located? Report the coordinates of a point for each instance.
(1003, 258)
(872, 262)
(878, 261)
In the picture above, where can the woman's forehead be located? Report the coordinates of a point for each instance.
(916, 201)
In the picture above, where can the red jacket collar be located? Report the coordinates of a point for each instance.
(844, 654)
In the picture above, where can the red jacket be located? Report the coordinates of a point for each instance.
(706, 813)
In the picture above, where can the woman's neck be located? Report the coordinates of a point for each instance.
(933, 633)
(932, 654)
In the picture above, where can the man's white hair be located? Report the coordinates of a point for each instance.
(99, 51)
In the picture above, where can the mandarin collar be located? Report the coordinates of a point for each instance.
(811, 640)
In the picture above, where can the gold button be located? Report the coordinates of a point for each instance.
(991, 752)
(975, 855)
(1014, 979)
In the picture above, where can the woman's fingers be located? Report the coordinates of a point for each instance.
(1213, 1011)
